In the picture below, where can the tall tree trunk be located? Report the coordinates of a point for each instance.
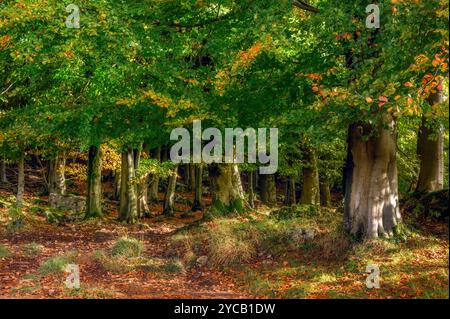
(128, 206)
(325, 194)
(94, 181)
(117, 183)
(251, 190)
(169, 199)
(290, 196)
(226, 187)
(141, 187)
(3, 178)
(21, 179)
(56, 175)
(198, 205)
(154, 179)
(192, 180)
(430, 150)
(268, 189)
(310, 194)
(371, 207)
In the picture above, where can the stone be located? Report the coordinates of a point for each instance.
(309, 234)
(202, 260)
(74, 203)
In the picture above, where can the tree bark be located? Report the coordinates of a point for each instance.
(94, 176)
(3, 178)
(226, 187)
(268, 189)
(371, 206)
(290, 196)
(128, 206)
(430, 151)
(169, 198)
(251, 191)
(192, 180)
(310, 194)
(21, 180)
(198, 205)
(154, 179)
(56, 175)
(325, 194)
(117, 183)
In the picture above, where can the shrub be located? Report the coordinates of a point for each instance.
(127, 247)
(231, 242)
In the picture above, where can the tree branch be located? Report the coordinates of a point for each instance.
(304, 6)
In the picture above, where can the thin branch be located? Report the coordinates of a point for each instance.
(7, 89)
(304, 6)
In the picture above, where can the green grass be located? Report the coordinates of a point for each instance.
(56, 264)
(127, 247)
(4, 252)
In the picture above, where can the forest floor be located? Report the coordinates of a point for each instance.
(244, 256)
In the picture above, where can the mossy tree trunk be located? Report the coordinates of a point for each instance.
(20, 179)
(430, 150)
(169, 198)
(310, 194)
(325, 194)
(94, 183)
(268, 191)
(371, 207)
(226, 187)
(198, 205)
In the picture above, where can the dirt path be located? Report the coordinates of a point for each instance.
(18, 272)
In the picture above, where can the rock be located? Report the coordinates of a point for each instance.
(74, 203)
(309, 234)
(202, 260)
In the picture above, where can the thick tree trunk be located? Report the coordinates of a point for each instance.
(251, 190)
(226, 186)
(128, 207)
(198, 205)
(325, 194)
(169, 198)
(371, 207)
(94, 183)
(430, 150)
(3, 178)
(20, 180)
(310, 194)
(268, 189)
